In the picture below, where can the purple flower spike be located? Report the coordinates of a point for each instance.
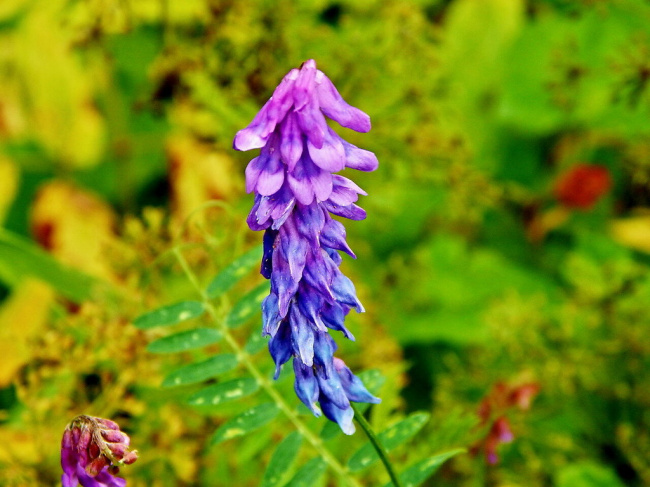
(92, 450)
(296, 190)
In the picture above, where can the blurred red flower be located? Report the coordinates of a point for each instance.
(582, 186)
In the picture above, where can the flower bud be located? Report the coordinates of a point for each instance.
(92, 449)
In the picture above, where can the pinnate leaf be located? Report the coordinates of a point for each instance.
(224, 392)
(308, 474)
(185, 340)
(169, 315)
(248, 421)
(200, 371)
(227, 278)
(390, 438)
(281, 461)
(248, 306)
(418, 473)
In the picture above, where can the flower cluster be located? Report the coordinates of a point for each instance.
(296, 192)
(92, 450)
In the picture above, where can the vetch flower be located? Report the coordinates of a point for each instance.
(296, 192)
(92, 450)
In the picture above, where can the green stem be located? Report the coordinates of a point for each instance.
(245, 358)
(358, 415)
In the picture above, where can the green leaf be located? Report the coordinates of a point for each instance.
(390, 439)
(281, 460)
(246, 422)
(185, 340)
(169, 315)
(227, 278)
(587, 474)
(255, 343)
(224, 392)
(418, 473)
(21, 258)
(200, 371)
(308, 474)
(248, 306)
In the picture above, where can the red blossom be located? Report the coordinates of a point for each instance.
(582, 186)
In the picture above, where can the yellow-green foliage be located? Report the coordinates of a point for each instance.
(116, 123)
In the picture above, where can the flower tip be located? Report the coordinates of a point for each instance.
(247, 139)
(348, 427)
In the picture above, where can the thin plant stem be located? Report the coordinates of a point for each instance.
(245, 359)
(376, 444)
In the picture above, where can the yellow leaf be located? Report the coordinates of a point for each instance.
(22, 318)
(56, 88)
(75, 225)
(9, 178)
(633, 232)
(199, 174)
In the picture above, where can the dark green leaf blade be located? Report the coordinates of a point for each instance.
(390, 438)
(227, 278)
(248, 421)
(281, 461)
(224, 392)
(200, 371)
(418, 473)
(308, 474)
(169, 315)
(185, 340)
(248, 306)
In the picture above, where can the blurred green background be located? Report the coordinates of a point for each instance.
(503, 264)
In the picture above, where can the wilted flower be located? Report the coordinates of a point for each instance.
(92, 450)
(582, 186)
(295, 193)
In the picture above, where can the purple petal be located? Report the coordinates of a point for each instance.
(282, 285)
(334, 318)
(354, 388)
(309, 222)
(303, 91)
(266, 267)
(280, 347)
(359, 159)
(306, 386)
(293, 248)
(352, 212)
(331, 156)
(271, 318)
(290, 141)
(310, 304)
(333, 236)
(344, 292)
(300, 183)
(312, 122)
(271, 173)
(344, 191)
(336, 108)
(253, 218)
(302, 336)
(343, 417)
(257, 133)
